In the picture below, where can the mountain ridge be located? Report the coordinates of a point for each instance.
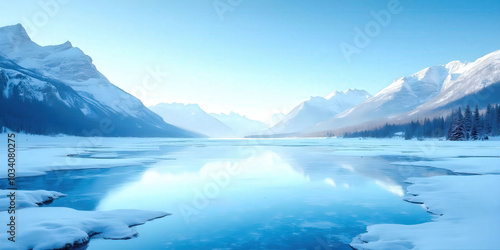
(60, 82)
(191, 117)
(317, 109)
(427, 93)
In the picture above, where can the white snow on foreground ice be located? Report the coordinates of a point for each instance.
(27, 198)
(467, 208)
(58, 227)
(470, 218)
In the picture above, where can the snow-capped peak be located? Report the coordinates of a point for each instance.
(15, 43)
(455, 67)
(67, 64)
(14, 33)
(351, 92)
(318, 109)
(189, 108)
(423, 92)
(62, 82)
(192, 117)
(61, 47)
(334, 93)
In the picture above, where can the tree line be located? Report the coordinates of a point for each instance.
(457, 126)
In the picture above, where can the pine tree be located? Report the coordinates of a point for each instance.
(477, 122)
(467, 122)
(474, 135)
(452, 118)
(408, 134)
(494, 120)
(488, 121)
(439, 127)
(498, 119)
(456, 132)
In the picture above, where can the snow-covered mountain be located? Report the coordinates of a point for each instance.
(430, 92)
(57, 89)
(471, 83)
(242, 125)
(193, 118)
(318, 109)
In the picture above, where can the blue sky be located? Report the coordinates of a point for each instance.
(262, 56)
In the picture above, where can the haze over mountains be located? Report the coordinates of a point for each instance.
(57, 89)
(240, 123)
(192, 117)
(318, 109)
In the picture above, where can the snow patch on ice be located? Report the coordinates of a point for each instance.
(469, 208)
(58, 227)
(28, 198)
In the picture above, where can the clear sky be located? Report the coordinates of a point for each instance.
(258, 57)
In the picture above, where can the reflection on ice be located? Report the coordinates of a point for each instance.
(393, 188)
(330, 182)
(193, 190)
(229, 196)
(318, 224)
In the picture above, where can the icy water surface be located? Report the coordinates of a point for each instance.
(246, 194)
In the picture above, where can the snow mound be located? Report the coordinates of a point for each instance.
(28, 198)
(57, 227)
(469, 210)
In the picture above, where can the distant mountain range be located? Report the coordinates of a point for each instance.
(57, 89)
(241, 124)
(318, 109)
(192, 117)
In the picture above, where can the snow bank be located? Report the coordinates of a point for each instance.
(57, 227)
(469, 209)
(25, 198)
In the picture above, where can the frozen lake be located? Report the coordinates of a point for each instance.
(240, 194)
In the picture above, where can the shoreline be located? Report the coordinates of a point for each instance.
(461, 204)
